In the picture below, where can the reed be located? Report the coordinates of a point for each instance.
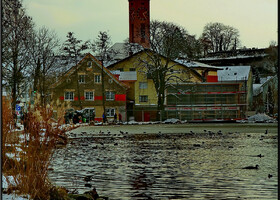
(30, 171)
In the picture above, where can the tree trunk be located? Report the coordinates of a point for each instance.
(78, 86)
(103, 89)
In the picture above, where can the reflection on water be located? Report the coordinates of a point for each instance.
(184, 165)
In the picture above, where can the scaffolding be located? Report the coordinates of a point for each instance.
(223, 101)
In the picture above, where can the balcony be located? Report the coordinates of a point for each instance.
(126, 76)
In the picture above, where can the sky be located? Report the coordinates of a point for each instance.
(256, 20)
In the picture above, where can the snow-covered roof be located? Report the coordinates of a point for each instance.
(265, 79)
(120, 50)
(257, 89)
(233, 73)
(233, 57)
(195, 64)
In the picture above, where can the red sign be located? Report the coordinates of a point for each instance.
(120, 97)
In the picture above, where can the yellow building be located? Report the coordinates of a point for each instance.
(142, 95)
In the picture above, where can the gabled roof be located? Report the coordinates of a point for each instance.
(97, 62)
(145, 50)
(234, 73)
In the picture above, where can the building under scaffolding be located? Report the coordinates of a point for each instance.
(220, 101)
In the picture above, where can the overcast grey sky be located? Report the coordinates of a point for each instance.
(256, 20)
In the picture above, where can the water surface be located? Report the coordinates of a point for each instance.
(171, 161)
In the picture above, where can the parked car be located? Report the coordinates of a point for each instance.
(88, 114)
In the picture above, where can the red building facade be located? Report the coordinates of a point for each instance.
(139, 22)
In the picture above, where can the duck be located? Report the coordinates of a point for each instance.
(266, 131)
(260, 155)
(88, 178)
(88, 185)
(251, 167)
(269, 176)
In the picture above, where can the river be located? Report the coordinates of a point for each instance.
(185, 161)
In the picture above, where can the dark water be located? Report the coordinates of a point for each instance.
(173, 164)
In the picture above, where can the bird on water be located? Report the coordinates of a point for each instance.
(251, 167)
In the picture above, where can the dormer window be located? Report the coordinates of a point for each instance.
(82, 78)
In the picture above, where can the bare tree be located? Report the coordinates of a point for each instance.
(16, 29)
(220, 37)
(102, 47)
(43, 48)
(167, 42)
(272, 58)
(73, 49)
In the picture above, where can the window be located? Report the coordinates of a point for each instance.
(97, 78)
(89, 64)
(110, 80)
(89, 96)
(82, 78)
(132, 69)
(110, 112)
(121, 69)
(110, 95)
(143, 85)
(69, 96)
(143, 98)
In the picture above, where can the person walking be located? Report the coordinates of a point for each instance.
(104, 118)
(92, 116)
(120, 117)
(115, 117)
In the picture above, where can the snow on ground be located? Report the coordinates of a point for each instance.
(260, 117)
(13, 196)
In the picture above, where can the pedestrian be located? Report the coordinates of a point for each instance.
(120, 117)
(115, 117)
(66, 118)
(75, 118)
(93, 116)
(104, 118)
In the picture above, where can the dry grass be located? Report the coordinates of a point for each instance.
(30, 172)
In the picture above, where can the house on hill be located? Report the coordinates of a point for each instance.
(266, 95)
(81, 86)
(242, 74)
